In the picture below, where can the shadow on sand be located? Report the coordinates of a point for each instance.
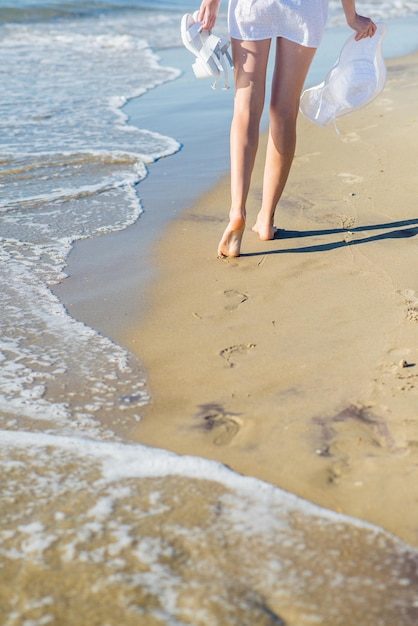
(398, 230)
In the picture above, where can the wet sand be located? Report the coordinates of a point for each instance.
(298, 362)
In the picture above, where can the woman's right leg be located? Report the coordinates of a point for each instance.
(291, 67)
(250, 61)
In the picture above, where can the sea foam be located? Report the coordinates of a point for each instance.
(71, 162)
(153, 535)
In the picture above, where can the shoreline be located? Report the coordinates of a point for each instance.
(99, 291)
(121, 305)
(248, 366)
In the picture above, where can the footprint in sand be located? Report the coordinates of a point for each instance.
(235, 298)
(351, 432)
(224, 425)
(230, 353)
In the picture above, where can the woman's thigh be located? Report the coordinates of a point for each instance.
(292, 64)
(250, 63)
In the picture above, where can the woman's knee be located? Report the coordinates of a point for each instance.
(249, 105)
(284, 115)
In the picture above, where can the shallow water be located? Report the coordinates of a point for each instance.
(70, 163)
(99, 533)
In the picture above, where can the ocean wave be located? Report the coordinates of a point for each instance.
(70, 165)
(135, 535)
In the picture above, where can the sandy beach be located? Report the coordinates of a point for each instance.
(290, 371)
(298, 362)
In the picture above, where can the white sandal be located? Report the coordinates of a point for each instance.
(211, 51)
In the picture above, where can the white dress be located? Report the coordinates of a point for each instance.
(301, 21)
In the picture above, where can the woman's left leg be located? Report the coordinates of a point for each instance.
(291, 67)
(250, 63)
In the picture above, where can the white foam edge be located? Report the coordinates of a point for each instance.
(108, 184)
(120, 460)
(139, 174)
(172, 146)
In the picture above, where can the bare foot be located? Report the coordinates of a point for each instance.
(230, 244)
(264, 231)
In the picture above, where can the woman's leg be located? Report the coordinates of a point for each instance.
(250, 61)
(291, 67)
